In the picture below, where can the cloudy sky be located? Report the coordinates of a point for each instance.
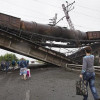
(85, 15)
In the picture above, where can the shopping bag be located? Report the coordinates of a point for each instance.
(81, 88)
(28, 73)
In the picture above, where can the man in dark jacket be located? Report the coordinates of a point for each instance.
(13, 64)
(7, 64)
(3, 65)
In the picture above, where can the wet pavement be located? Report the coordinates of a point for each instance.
(44, 84)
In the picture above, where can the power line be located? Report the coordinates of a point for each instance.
(32, 10)
(77, 12)
(86, 15)
(26, 15)
(76, 5)
(89, 28)
(88, 8)
(49, 4)
(52, 6)
(83, 26)
(74, 11)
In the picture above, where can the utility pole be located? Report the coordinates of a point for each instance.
(66, 11)
(53, 21)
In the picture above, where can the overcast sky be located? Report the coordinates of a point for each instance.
(85, 15)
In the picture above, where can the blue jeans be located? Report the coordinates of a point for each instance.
(90, 78)
(7, 67)
(3, 66)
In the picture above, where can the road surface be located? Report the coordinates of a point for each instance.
(44, 84)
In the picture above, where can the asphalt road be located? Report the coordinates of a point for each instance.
(44, 84)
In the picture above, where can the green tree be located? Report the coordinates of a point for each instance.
(9, 57)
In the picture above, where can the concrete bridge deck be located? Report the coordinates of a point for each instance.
(44, 84)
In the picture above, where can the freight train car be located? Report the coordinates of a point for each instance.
(9, 21)
(55, 31)
(93, 35)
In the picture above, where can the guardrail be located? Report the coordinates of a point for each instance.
(74, 67)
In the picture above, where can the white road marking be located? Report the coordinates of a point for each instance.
(27, 95)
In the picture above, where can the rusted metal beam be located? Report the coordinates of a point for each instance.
(21, 46)
(58, 45)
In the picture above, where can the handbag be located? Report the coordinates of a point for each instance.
(28, 73)
(81, 88)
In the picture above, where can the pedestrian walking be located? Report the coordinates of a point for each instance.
(27, 63)
(7, 64)
(2, 65)
(18, 64)
(13, 64)
(23, 69)
(88, 73)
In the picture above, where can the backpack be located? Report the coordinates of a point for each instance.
(13, 62)
(22, 64)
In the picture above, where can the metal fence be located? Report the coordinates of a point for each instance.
(74, 67)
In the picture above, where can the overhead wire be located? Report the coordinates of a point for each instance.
(86, 15)
(88, 8)
(76, 5)
(59, 7)
(32, 10)
(56, 7)
(24, 14)
(83, 26)
(96, 18)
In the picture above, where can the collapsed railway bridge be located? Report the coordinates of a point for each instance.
(30, 39)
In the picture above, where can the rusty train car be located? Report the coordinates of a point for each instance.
(55, 31)
(93, 35)
(9, 21)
